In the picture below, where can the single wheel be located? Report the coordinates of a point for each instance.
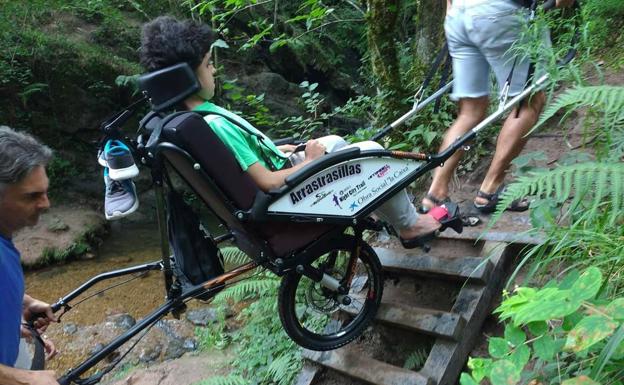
(319, 318)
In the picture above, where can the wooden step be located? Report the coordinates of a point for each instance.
(414, 262)
(366, 369)
(427, 321)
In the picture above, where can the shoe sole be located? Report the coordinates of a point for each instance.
(123, 173)
(118, 214)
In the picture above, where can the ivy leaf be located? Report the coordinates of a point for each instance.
(589, 331)
(520, 357)
(616, 309)
(515, 335)
(545, 348)
(498, 347)
(466, 379)
(581, 380)
(479, 367)
(588, 284)
(504, 372)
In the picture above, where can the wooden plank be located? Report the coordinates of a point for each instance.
(412, 262)
(517, 237)
(427, 321)
(366, 369)
(447, 358)
(308, 375)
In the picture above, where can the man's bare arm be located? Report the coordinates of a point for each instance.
(13, 376)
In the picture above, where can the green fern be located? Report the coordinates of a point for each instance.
(233, 255)
(602, 181)
(416, 359)
(610, 99)
(221, 380)
(606, 101)
(281, 370)
(249, 288)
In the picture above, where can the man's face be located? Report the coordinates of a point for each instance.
(23, 202)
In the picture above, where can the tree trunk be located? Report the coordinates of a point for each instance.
(430, 29)
(381, 21)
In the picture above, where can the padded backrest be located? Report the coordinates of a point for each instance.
(190, 131)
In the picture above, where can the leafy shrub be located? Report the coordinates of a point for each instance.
(570, 333)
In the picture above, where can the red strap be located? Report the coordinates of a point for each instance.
(438, 213)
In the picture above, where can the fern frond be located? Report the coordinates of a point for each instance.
(233, 255)
(221, 380)
(609, 99)
(603, 181)
(282, 369)
(416, 359)
(248, 288)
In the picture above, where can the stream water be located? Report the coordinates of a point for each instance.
(127, 245)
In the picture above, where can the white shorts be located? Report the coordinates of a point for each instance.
(480, 35)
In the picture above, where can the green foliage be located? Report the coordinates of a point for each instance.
(265, 355)
(565, 329)
(594, 186)
(416, 359)
(605, 115)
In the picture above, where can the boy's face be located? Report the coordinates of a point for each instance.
(205, 74)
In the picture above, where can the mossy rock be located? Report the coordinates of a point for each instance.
(63, 233)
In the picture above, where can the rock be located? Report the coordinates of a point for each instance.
(96, 348)
(63, 232)
(150, 353)
(70, 328)
(202, 317)
(174, 349)
(122, 321)
(280, 96)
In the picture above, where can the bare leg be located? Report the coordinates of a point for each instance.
(511, 141)
(471, 112)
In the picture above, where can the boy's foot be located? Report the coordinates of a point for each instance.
(117, 157)
(120, 199)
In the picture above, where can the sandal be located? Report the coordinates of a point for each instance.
(436, 202)
(520, 204)
(447, 214)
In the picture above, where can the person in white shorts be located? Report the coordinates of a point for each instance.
(480, 34)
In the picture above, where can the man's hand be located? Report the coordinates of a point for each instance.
(564, 3)
(314, 149)
(42, 377)
(48, 345)
(33, 306)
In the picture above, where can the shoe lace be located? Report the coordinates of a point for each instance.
(115, 188)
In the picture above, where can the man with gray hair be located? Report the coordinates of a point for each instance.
(23, 197)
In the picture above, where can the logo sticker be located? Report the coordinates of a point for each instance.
(322, 180)
(381, 172)
(320, 196)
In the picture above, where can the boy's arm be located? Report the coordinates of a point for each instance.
(268, 180)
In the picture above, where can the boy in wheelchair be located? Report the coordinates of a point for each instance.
(166, 41)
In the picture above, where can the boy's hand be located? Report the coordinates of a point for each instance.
(314, 149)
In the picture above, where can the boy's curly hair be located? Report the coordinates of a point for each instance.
(166, 41)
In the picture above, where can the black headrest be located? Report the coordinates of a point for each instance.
(169, 86)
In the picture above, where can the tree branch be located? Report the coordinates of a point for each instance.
(326, 24)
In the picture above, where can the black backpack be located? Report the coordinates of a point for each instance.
(196, 257)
